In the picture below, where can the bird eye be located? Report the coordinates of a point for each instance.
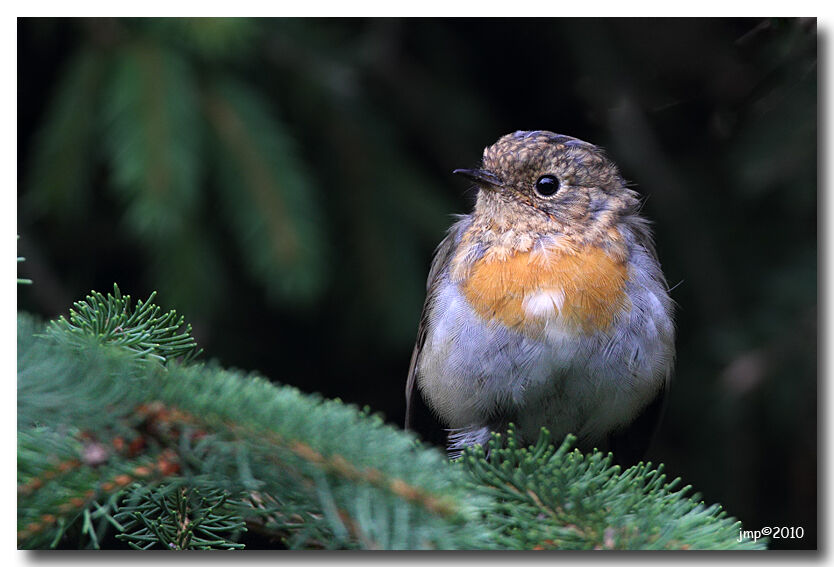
(547, 185)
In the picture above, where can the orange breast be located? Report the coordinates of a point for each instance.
(582, 290)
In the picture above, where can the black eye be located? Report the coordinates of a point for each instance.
(547, 185)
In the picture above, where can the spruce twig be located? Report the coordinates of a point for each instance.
(180, 518)
(557, 498)
(142, 330)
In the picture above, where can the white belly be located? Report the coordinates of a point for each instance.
(478, 374)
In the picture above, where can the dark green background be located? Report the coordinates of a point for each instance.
(283, 183)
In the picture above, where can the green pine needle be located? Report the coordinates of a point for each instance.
(143, 330)
(180, 518)
(557, 498)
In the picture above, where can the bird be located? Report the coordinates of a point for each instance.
(546, 306)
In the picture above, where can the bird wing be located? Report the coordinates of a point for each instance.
(442, 256)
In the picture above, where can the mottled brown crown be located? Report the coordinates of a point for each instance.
(511, 208)
(523, 155)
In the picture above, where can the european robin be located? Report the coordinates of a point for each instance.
(546, 306)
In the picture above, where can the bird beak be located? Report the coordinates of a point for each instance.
(481, 176)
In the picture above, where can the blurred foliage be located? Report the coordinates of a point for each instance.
(22, 281)
(302, 166)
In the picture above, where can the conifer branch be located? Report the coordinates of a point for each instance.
(331, 456)
(180, 518)
(189, 455)
(588, 503)
(142, 330)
